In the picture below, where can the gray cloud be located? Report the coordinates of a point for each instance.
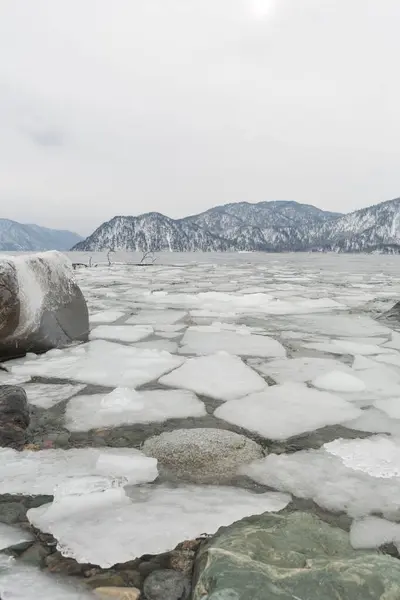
(176, 106)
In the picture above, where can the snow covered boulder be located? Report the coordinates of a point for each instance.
(291, 556)
(14, 416)
(41, 306)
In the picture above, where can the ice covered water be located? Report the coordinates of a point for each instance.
(103, 363)
(300, 369)
(13, 536)
(220, 376)
(337, 381)
(157, 318)
(121, 333)
(151, 521)
(373, 532)
(378, 456)
(348, 347)
(106, 316)
(46, 395)
(125, 406)
(38, 473)
(375, 421)
(199, 340)
(283, 411)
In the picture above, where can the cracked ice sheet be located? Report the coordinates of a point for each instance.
(323, 477)
(126, 406)
(39, 473)
(106, 316)
(342, 325)
(154, 520)
(102, 363)
(299, 369)
(348, 347)
(157, 318)
(201, 340)
(121, 333)
(23, 582)
(12, 536)
(283, 411)
(220, 376)
(373, 420)
(46, 395)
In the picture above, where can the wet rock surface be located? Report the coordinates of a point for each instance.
(14, 416)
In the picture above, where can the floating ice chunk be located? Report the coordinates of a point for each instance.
(220, 376)
(126, 406)
(373, 420)
(324, 478)
(12, 536)
(381, 382)
(122, 463)
(346, 347)
(300, 369)
(46, 395)
(106, 316)
(337, 381)
(102, 363)
(343, 325)
(378, 456)
(282, 411)
(23, 582)
(38, 473)
(202, 341)
(159, 345)
(121, 333)
(361, 362)
(10, 379)
(157, 318)
(390, 406)
(389, 359)
(153, 521)
(372, 532)
(394, 343)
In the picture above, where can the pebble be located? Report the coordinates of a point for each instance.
(117, 593)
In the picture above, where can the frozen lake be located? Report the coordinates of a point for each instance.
(281, 354)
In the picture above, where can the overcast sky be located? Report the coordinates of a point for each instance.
(127, 106)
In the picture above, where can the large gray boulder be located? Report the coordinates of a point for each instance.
(291, 556)
(201, 455)
(41, 306)
(14, 416)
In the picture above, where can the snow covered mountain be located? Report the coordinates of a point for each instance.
(266, 226)
(17, 237)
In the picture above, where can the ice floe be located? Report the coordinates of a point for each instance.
(125, 406)
(337, 381)
(106, 316)
(121, 333)
(373, 532)
(300, 369)
(46, 395)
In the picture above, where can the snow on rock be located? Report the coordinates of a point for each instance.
(12, 537)
(152, 521)
(23, 582)
(157, 318)
(220, 376)
(121, 333)
(325, 478)
(125, 406)
(283, 411)
(337, 381)
(106, 316)
(202, 455)
(39, 473)
(103, 363)
(300, 369)
(373, 532)
(347, 347)
(200, 340)
(46, 395)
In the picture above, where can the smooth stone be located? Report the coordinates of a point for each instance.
(117, 593)
(167, 585)
(291, 556)
(210, 456)
(14, 416)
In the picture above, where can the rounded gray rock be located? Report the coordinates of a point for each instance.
(166, 585)
(210, 456)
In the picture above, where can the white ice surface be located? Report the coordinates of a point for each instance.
(324, 478)
(220, 376)
(46, 395)
(23, 582)
(103, 363)
(121, 333)
(379, 456)
(338, 325)
(337, 381)
(157, 318)
(35, 473)
(348, 347)
(362, 362)
(159, 345)
(373, 532)
(300, 369)
(283, 411)
(375, 421)
(106, 316)
(10, 379)
(390, 406)
(199, 340)
(153, 521)
(126, 406)
(12, 536)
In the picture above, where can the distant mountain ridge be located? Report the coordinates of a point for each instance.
(278, 226)
(17, 237)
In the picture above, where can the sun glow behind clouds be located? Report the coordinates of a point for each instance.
(262, 9)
